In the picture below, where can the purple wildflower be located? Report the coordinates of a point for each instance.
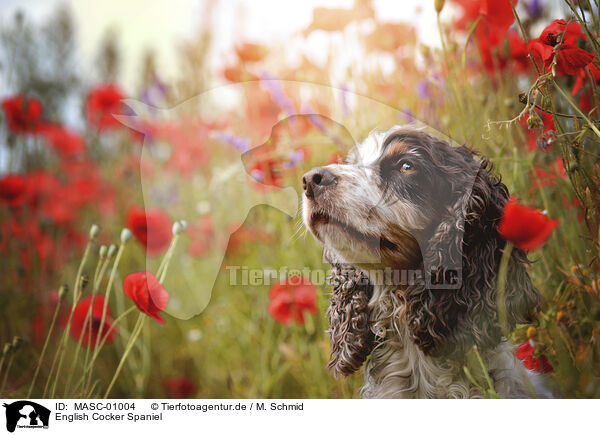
(315, 119)
(423, 89)
(295, 158)
(345, 108)
(273, 86)
(239, 143)
(407, 115)
(534, 8)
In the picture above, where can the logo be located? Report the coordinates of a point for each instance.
(26, 414)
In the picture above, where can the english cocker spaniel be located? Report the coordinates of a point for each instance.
(409, 224)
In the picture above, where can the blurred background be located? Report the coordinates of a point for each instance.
(199, 82)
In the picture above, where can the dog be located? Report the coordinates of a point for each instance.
(405, 200)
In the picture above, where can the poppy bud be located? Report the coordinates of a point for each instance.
(439, 5)
(6, 350)
(523, 97)
(112, 249)
(531, 332)
(94, 231)
(83, 281)
(103, 251)
(184, 224)
(125, 235)
(561, 316)
(62, 292)
(177, 228)
(17, 342)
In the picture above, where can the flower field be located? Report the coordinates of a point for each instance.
(138, 225)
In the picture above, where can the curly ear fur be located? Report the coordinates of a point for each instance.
(350, 336)
(449, 322)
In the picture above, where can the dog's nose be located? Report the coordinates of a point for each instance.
(316, 180)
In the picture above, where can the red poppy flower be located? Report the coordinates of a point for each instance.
(586, 99)
(513, 51)
(536, 138)
(237, 74)
(13, 190)
(80, 326)
(336, 19)
(498, 14)
(290, 299)
(526, 227)
(496, 18)
(23, 115)
(545, 178)
(64, 141)
(152, 228)
(147, 293)
(180, 388)
(388, 37)
(102, 102)
(571, 58)
(525, 352)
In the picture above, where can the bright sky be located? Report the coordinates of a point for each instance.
(163, 24)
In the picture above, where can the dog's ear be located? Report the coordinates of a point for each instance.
(450, 321)
(350, 336)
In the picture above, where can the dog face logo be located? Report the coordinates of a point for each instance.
(26, 414)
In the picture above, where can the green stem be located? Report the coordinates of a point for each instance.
(491, 391)
(512, 5)
(111, 278)
(469, 35)
(44, 348)
(65, 336)
(8, 366)
(502, 273)
(58, 353)
(89, 366)
(86, 253)
(136, 332)
(162, 273)
(87, 326)
(105, 262)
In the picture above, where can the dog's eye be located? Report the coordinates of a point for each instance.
(405, 166)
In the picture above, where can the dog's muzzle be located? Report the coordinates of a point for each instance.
(318, 180)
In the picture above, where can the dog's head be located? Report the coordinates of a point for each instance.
(407, 201)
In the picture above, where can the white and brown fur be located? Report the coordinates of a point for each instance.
(403, 199)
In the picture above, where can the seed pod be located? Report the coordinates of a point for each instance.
(561, 316)
(62, 292)
(439, 5)
(17, 342)
(83, 281)
(534, 121)
(94, 231)
(523, 97)
(177, 228)
(125, 235)
(531, 332)
(112, 249)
